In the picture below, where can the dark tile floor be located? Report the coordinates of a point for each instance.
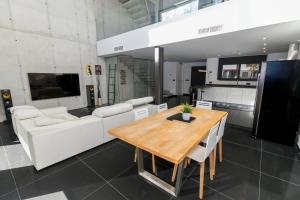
(252, 169)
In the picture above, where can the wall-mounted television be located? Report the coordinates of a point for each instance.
(50, 85)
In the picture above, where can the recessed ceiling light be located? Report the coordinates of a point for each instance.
(298, 40)
(219, 55)
(264, 38)
(264, 48)
(265, 44)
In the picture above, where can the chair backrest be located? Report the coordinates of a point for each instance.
(141, 113)
(211, 139)
(204, 104)
(162, 107)
(222, 126)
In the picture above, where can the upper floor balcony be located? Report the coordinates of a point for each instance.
(118, 16)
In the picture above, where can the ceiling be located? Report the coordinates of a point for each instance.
(275, 38)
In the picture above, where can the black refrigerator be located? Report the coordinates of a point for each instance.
(277, 108)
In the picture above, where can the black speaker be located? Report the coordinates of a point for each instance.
(90, 93)
(7, 103)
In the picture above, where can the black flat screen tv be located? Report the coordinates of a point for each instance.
(48, 85)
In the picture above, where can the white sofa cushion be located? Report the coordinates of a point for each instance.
(140, 101)
(46, 121)
(65, 116)
(22, 114)
(13, 109)
(112, 110)
(53, 111)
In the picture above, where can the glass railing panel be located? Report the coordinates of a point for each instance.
(114, 17)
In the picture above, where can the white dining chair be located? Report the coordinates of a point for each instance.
(162, 107)
(220, 136)
(142, 113)
(204, 104)
(201, 153)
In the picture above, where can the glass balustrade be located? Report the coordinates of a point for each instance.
(114, 17)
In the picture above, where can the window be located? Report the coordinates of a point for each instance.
(249, 71)
(230, 71)
(244, 68)
(179, 11)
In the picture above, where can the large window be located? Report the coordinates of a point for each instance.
(179, 10)
(240, 68)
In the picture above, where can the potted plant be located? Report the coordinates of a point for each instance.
(186, 111)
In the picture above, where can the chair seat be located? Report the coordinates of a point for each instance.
(198, 154)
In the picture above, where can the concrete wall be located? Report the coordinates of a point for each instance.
(112, 19)
(47, 36)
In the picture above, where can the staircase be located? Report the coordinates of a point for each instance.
(139, 11)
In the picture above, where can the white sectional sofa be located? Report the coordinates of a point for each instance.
(51, 135)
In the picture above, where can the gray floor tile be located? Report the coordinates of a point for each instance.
(107, 193)
(240, 136)
(75, 182)
(27, 175)
(10, 196)
(134, 187)
(233, 181)
(96, 150)
(190, 191)
(286, 169)
(112, 161)
(274, 189)
(242, 155)
(281, 150)
(6, 182)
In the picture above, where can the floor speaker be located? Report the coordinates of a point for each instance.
(7, 103)
(90, 93)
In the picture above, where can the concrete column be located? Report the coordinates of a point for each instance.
(159, 63)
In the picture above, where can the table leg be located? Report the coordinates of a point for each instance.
(140, 160)
(180, 172)
(157, 181)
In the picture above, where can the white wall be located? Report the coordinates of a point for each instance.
(171, 70)
(186, 75)
(47, 36)
(233, 15)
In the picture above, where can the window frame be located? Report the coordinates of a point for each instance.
(240, 61)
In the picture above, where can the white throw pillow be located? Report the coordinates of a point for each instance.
(13, 109)
(65, 116)
(27, 113)
(54, 111)
(47, 121)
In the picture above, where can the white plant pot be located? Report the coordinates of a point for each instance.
(186, 116)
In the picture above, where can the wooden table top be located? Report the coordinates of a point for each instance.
(170, 140)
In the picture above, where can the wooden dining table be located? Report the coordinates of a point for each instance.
(171, 140)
